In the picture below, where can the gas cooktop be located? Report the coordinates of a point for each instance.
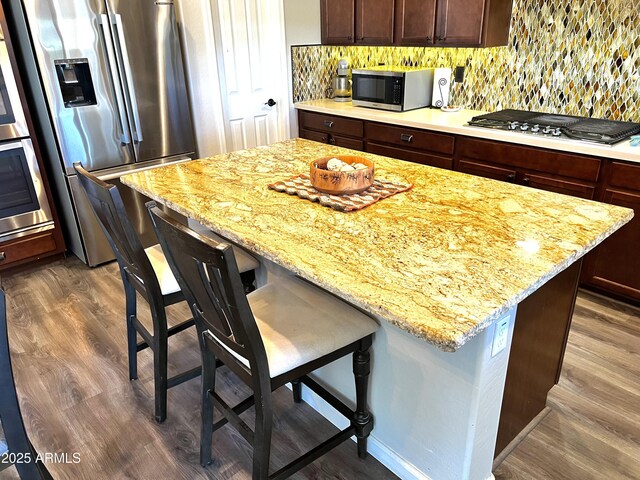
(567, 127)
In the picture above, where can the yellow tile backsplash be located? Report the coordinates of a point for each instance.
(564, 56)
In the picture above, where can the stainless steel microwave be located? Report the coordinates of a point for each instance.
(392, 88)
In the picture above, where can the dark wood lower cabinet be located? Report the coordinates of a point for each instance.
(30, 248)
(539, 338)
(614, 266)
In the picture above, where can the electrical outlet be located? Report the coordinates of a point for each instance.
(500, 335)
(458, 75)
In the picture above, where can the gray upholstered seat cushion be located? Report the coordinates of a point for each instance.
(169, 284)
(300, 323)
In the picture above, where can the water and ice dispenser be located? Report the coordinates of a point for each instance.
(76, 85)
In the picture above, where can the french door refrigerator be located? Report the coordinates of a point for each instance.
(114, 89)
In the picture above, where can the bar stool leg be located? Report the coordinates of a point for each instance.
(262, 434)
(296, 386)
(362, 418)
(160, 355)
(132, 337)
(206, 424)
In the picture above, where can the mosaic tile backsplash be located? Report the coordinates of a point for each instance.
(564, 56)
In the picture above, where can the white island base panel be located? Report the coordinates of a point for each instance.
(436, 413)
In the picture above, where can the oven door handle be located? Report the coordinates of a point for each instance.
(103, 21)
(10, 146)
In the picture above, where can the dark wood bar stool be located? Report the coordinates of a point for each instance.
(144, 271)
(12, 424)
(277, 334)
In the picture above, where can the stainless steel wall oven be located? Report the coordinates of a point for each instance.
(24, 208)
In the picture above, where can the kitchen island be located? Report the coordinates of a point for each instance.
(438, 266)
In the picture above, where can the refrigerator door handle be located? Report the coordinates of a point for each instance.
(116, 21)
(103, 21)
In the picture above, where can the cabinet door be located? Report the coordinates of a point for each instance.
(415, 22)
(374, 22)
(460, 22)
(338, 21)
(614, 265)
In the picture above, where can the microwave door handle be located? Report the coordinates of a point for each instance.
(103, 21)
(124, 56)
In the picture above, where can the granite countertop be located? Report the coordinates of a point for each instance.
(455, 123)
(442, 261)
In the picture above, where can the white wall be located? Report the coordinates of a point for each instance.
(302, 27)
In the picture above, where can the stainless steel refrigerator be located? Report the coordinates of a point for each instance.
(114, 91)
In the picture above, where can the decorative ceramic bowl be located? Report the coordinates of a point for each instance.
(341, 183)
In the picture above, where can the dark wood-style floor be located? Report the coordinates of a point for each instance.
(66, 326)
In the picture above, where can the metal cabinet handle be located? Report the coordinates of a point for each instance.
(116, 20)
(2, 256)
(325, 139)
(328, 124)
(103, 20)
(332, 141)
(511, 177)
(440, 38)
(406, 138)
(428, 39)
(526, 180)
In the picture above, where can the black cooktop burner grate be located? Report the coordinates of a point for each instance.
(554, 120)
(605, 127)
(577, 128)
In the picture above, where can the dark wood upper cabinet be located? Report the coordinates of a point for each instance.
(338, 21)
(374, 22)
(473, 23)
(415, 22)
(445, 23)
(460, 22)
(365, 22)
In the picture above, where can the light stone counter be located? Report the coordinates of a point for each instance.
(442, 261)
(455, 123)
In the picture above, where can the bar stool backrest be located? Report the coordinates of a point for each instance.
(107, 204)
(208, 276)
(10, 415)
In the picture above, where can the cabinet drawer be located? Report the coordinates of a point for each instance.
(625, 176)
(337, 140)
(529, 158)
(411, 137)
(487, 171)
(410, 155)
(27, 247)
(345, 142)
(575, 189)
(331, 124)
(315, 136)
